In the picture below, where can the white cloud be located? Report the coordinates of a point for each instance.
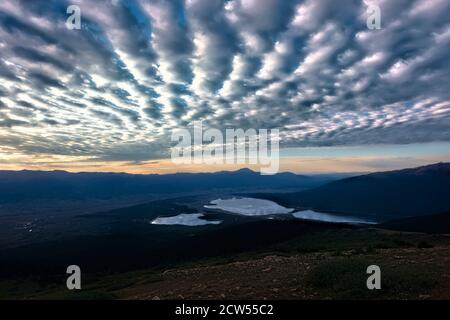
(138, 69)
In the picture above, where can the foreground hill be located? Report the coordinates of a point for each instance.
(381, 196)
(325, 264)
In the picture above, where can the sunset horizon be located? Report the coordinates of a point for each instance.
(342, 159)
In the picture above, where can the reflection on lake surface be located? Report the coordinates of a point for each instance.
(326, 217)
(248, 206)
(184, 219)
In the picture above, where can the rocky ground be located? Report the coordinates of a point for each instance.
(409, 273)
(328, 264)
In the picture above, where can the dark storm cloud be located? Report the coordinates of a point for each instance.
(154, 110)
(15, 26)
(6, 73)
(11, 122)
(179, 107)
(36, 56)
(42, 80)
(138, 69)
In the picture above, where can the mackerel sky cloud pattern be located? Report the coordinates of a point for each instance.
(115, 89)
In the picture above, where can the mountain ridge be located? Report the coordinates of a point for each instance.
(383, 196)
(28, 184)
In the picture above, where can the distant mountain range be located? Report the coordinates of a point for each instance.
(381, 196)
(16, 186)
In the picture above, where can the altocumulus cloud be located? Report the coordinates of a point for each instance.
(137, 69)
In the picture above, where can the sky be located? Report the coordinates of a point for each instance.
(107, 97)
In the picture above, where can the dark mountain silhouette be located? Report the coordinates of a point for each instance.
(381, 196)
(436, 223)
(17, 186)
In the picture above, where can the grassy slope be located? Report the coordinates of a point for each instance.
(321, 265)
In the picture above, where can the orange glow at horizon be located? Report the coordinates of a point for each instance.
(165, 166)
